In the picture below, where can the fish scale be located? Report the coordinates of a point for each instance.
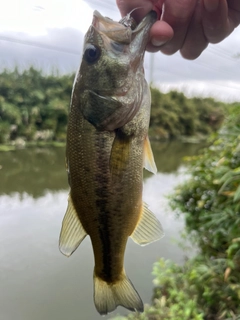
(107, 148)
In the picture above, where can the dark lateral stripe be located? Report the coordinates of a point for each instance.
(102, 163)
(105, 240)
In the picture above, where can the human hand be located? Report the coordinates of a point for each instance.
(186, 25)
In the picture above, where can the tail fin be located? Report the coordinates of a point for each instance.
(107, 296)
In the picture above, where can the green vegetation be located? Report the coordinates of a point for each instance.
(34, 107)
(174, 115)
(207, 286)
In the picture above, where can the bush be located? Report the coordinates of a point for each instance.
(33, 102)
(207, 286)
(179, 116)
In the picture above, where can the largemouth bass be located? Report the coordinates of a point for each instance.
(107, 148)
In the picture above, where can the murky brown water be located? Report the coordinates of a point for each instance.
(36, 281)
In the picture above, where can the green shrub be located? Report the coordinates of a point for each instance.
(33, 102)
(208, 286)
(177, 115)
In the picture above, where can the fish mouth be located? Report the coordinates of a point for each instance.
(148, 20)
(126, 22)
(126, 29)
(112, 29)
(140, 35)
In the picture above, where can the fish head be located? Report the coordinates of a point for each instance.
(111, 74)
(105, 54)
(111, 49)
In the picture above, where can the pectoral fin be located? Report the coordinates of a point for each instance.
(72, 233)
(149, 229)
(149, 162)
(119, 154)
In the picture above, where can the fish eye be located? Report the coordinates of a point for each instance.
(91, 53)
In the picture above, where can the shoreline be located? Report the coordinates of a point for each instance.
(22, 144)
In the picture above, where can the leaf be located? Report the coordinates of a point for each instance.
(228, 193)
(225, 184)
(226, 176)
(227, 273)
(236, 170)
(237, 194)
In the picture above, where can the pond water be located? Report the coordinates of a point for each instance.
(37, 282)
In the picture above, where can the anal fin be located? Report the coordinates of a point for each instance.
(72, 232)
(149, 162)
(148, 229)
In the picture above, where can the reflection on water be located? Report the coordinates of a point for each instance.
(37, 282)
(35, 170)
(169, 155)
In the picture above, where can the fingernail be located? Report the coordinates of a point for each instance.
(211, 5)
(157, 43)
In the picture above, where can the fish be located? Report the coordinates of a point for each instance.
(107, 148)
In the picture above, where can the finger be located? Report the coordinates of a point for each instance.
(178, 14)
(215, 20)
(160, 33)
(234, 13)
(195, 41)
(158, 6)
(221, 19)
